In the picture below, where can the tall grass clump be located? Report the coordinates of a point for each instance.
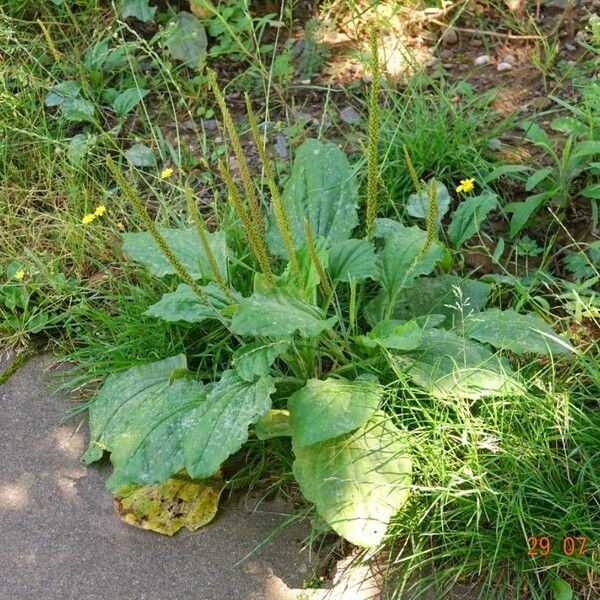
(447, 128)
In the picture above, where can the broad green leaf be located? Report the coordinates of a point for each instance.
(535, 178)
(139, 9)
(591, 191)
(449, 366)
(37, 322)
(561, 590)
(580, 265)
(276, 423)
(386, 227)
(418, 203)
(108, 95)
(586, 148)
(186, 39)
(65, 90)
(510, 330)
(99, 57)
(179, 426)
(594, 167)
(440, 295)
(185, 305)
(357, 481)
(569, 125)
(168, 506)
(77, 110)
(394, 334)
(119, 57)
(402, 259)
(505, 170)
(221, 425)
(352, 259)
(139, 155)
(15, 295)
(128, 389)
(278, 312)
(128, 100)
(256, 358)
(321, 188)
(468, 217)
(522, 211)
(186, 246)
(308, 272)
(534, 133)
(79, 145)
(322, 410)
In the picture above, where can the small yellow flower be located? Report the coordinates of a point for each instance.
(100, 210)
(120, 226)
(466, 185)
(20, 275)
(88, 218)
(166, 173)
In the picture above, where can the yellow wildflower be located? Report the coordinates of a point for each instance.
(120, 226)
(100, 210)
(466, 185)
(88, 218)
(20, 275)
(166, 173)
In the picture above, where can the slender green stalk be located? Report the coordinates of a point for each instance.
(411, 170)
(257, 220)
(314, 257)
(201, 230)
(49, 41)
(372, 168)
(140, 209)
(352, 307)
(256, 244)
(281, 218)
(431, 219)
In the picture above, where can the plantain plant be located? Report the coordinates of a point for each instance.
(323, 323)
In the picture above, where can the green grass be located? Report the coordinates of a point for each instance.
(446, 128)
(491, 474)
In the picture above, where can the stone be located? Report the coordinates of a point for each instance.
(298, 48)
(210, 124)
(484, 59)
(582, 36)
(281, 146)
(504, 66)
(350, 115)
(449, 37)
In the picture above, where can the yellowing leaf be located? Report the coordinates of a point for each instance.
(202, 8)
(168, 506)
